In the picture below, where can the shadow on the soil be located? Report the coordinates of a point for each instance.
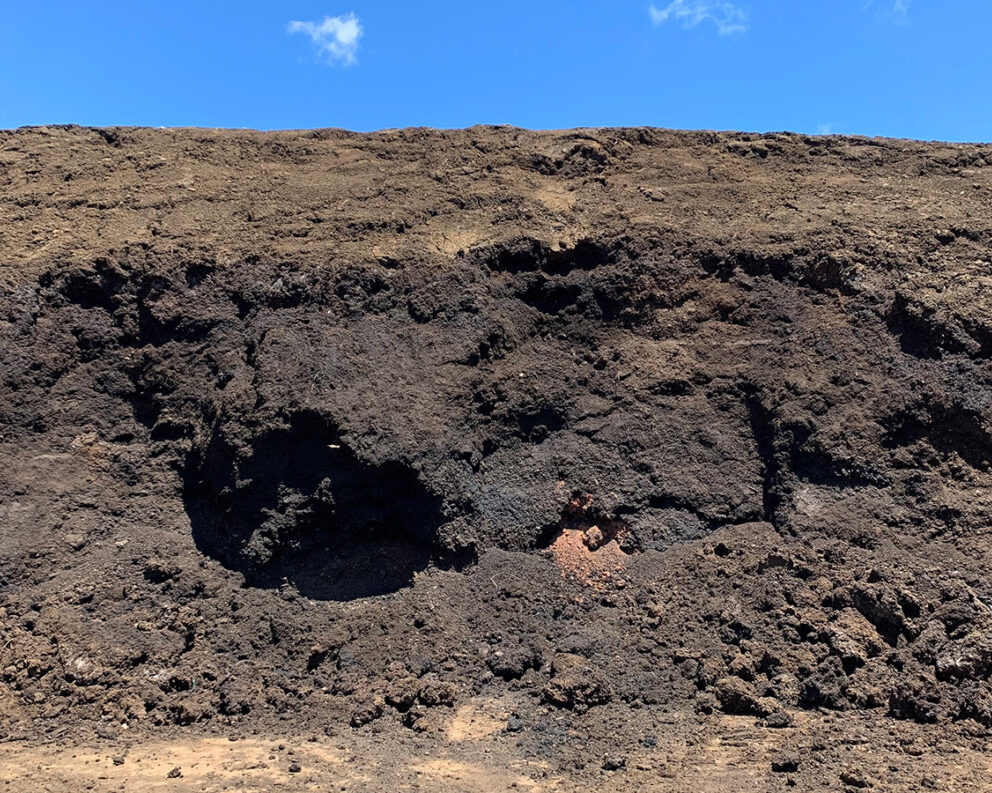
(298, 506)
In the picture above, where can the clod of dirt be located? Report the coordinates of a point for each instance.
(738, 697)
(779, 720)
(855, 778)
(614, 763)
(367, 711)
(511, 661)
(593, 538)
(575, 684)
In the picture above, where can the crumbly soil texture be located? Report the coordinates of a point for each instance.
(615, 442)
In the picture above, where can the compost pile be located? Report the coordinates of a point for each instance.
(343, 429)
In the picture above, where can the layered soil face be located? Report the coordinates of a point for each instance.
(347, 431)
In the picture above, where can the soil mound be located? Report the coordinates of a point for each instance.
(353, 429)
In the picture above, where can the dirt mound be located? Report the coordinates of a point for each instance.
(355, 429)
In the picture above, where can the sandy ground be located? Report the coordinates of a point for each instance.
(472, 753)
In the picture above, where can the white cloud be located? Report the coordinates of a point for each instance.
(336, 38)
(728, 18)
(896, 10)
(900, 10)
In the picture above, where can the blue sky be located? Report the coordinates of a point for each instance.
(904, 68)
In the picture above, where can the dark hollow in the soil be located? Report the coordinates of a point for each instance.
(295, 505)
